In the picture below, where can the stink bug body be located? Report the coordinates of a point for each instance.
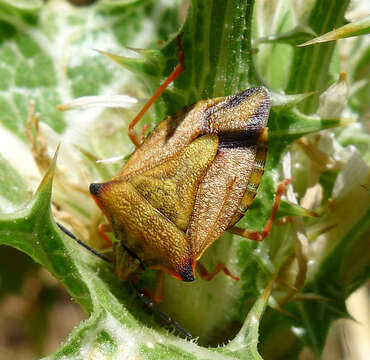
(190, 180)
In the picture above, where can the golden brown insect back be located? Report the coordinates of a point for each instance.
(190, 180)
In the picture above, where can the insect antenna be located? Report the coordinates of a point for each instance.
(96, 253)
(165, 317)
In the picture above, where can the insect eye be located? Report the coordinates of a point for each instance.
(95, 188)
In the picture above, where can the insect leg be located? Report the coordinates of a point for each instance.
(159, 287)
(96, 253)
(261, 235)
(205, 275)
(157, 296)
(102, 230)
(175, 73)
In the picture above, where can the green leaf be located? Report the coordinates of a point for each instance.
(244, 342)
(310, 65)
(292, 37)
(13, 187)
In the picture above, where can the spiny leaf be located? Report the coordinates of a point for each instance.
(310, 65)
(244, 342)
(292, 37)
(357, 28)
(136, 65)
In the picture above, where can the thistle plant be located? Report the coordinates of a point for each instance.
(295, 283)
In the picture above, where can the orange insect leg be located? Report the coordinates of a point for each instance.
(157, 296)
(261, 235)
(159, 288)
(102, 230)
(175, 73)
(205, 275)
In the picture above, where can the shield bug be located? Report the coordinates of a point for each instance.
(190, 180)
